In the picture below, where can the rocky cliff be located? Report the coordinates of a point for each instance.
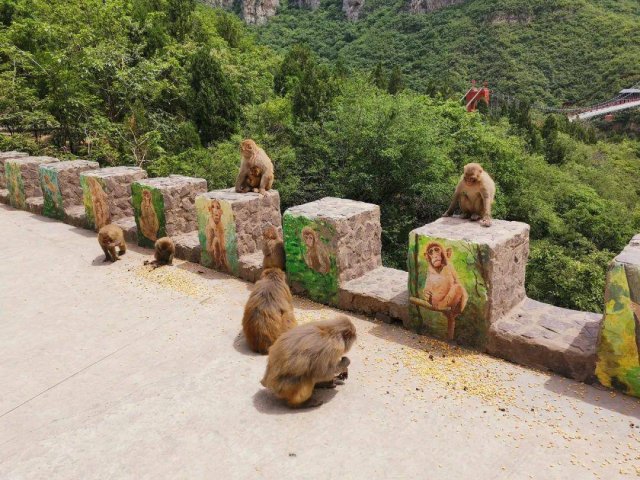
(424, 6)
(352, 8)
(258, 11)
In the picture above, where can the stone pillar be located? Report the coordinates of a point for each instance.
(230, 227)
(60, 184)
(165, 206)
(106, 194)
(4, 156)
(23, 182)
(329, 242)
(465, 275)
(618, 351)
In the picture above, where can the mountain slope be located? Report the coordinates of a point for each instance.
(560, 51)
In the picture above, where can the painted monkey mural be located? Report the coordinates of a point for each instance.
(633, 280)
(149, 224)
(101, 213)
(443, 291)
(53, 190)
(316, 255)
(215, 236)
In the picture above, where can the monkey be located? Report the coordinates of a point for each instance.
(165, 250)
(475, 193)
(307, 356)
(443, 290)
(101, 213)
(215, 236)
(149, 224)
(269, 311)
(253, 179)
(109, 237)
(272, 249)
(316, 255)
(254, 156)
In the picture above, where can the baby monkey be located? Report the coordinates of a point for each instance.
(272, 249)
(165, 251)
(475, 194)
(253, 179)
(309, 356)
(109, 237)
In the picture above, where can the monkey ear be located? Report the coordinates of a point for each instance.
(449, 252)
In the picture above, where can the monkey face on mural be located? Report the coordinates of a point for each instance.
(316, 255)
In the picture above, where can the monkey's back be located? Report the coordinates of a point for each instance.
(307, 353)
(268, 313)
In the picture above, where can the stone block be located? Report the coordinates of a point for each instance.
(329, 242)
(4, 196)
(188, 246)
(618, 363)
(75, 216)
(34, 205)
(551, 338)
(4, 156)
(164, 206)
(381, 292)
(106, 194)
(60, 184)
(489, 265)
(23, 180)
(230, 227)
(128, 226)
(250, 266)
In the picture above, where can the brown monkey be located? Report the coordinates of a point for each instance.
(475, 194)
(273, 249)
(165, 250)
(101, 213)
(253, 179)
(215, 236)
(316, 255)
(149, 224)
(269, 311)
(443, 290)
(254, 156)
(109, 237)
(306, 356)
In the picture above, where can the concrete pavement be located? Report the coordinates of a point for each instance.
(117, 372)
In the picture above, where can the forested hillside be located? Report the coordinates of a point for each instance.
(174, 87)
(552, 51)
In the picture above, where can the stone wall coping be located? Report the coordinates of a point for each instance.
(13, 154)
(170, 181)
(332, 208)
(230, 195)
(32, 160)
(112, 171)
(630, 255)
(456, 228)
(70, 163)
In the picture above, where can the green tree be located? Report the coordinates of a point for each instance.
(179, 16)
(213, 104)
(313, 94)
(379, 77)
(291, 69)
(396, 81)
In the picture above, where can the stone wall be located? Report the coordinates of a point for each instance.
(231, 225)
(107, 194)
(333, 250)
(4, 156)
(60, 184)
(164, 206)
(23, 180)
